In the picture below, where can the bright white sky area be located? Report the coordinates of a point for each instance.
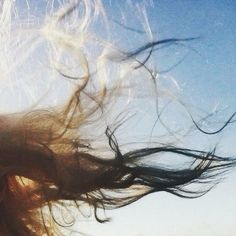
(206, 79)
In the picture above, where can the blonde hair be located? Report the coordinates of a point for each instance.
(57, 155)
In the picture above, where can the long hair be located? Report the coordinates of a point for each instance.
(56, 156)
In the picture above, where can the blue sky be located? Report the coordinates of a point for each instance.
(207, 77)
(212, 65)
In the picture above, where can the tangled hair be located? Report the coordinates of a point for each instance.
(56, 157)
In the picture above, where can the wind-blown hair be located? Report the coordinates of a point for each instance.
(57, 156)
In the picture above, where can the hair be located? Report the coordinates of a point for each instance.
(56, 156)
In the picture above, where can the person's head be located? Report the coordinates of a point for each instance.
(65, 154)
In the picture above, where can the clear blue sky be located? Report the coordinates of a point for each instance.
(207, 77)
